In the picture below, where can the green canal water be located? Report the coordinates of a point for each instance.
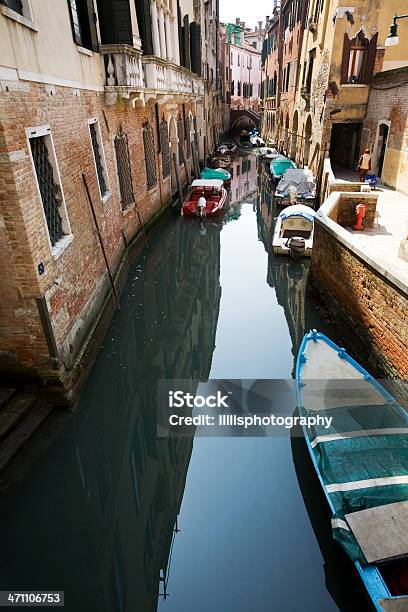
(115, 516)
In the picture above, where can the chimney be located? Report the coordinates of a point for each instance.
(243, 25)
(260, 25)
(237, 21)
(267, 19)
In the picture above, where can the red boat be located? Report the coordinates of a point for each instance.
(206, 198)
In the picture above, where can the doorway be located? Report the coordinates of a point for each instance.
(345, 145)
(383, 132)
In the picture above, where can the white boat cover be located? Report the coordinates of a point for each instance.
(268, 151)
(297, 210)
(299, 178)
(207, 183)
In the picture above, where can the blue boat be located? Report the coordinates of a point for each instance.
(358, 444)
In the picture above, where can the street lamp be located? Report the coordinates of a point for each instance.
(392, 39)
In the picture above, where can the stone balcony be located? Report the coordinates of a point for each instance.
(165, 80)
(123, 73)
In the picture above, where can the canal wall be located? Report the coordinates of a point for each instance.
(366, 304)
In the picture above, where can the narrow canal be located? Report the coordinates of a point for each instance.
(95, 514)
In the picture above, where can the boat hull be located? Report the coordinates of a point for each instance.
(285, 201)
(215, 206)
(332, 356)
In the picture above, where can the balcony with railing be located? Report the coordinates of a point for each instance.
(163, 78)
(123, 73)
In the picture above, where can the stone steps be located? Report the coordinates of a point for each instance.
(5, 395)
(20, 417)
(14, 411)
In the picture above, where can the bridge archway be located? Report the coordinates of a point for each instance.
(244, 119)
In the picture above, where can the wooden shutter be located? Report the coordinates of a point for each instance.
(186, 38)
(370, 60)
(145, 25)
(75, 21)
(195, 46)
(92, 25)
(346, 59)
(180, 34)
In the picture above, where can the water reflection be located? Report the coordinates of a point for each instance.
(98, 516)
(288, 278)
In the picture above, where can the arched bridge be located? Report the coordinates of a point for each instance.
(243, 118)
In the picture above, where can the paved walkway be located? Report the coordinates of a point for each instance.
(382, 241)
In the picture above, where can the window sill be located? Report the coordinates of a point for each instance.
(106, 197)
(127, 210)
(25, 21)
(354, 85)
(84, 51)
(58, 248)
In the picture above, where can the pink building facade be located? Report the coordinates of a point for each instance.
(245, 76)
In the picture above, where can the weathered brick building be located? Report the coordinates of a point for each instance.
(100, 90)
(386, 127)
(335, 52)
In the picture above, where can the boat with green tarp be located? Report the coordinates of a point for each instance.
(361, 460)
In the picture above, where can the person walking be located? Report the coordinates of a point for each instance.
(364, 165)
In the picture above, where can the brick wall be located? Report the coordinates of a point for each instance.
(388, 103)
(344, 211)
(369, 310)
(75, 284)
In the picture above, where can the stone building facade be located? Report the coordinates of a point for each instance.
(245, 69)
(101, 94)
(340, 49)
(270, 86)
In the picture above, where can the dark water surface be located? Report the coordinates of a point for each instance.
(229, 524)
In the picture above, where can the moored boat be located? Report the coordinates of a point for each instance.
(361, 461)
(268, 153)
(226, 148)
(256, 141)
(293, 233)
(220, 161)
(279, 165)
(296, 185)
(206, 198)
(217, 173)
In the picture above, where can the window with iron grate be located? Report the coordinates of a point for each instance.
(99, 158)
(180, 134)
(124, 170)
(164, 145)
(150, 161)
(188, 136)
(48, 182)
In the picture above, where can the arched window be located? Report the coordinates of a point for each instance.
(123, 166)
(358, 58)
(150, 161)
(164, 145)
(180, 134)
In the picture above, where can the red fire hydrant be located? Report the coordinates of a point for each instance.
(360, 214)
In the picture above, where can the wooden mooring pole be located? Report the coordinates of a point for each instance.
(183, 159)
(112, 282)
(177, 173)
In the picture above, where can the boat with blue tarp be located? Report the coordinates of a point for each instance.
(279, 165)
(361, 460)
